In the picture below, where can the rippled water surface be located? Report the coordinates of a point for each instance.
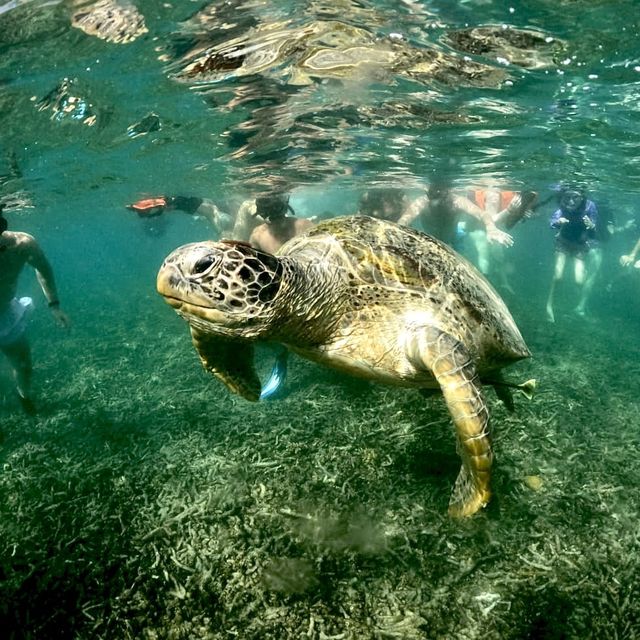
(323, 93)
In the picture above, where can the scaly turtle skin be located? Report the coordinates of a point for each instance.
(367, 297)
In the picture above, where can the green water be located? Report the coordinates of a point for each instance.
(144, 501)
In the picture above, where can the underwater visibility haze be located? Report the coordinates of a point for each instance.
(143, 500)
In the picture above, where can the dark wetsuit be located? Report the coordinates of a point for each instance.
(573, 237)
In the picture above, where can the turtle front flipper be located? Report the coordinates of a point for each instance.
(451, 364)
(231, 361)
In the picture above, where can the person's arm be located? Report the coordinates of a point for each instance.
(464, 205)
(46, 279)
(204, 207)
(246, 221)
(413, 209)
(255, 237)
(221, 221)
(630, 223)
(557, 219)
(590, 218)
(630, 258)
(492, 203)
(521, 207)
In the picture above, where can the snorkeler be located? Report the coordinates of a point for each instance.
(385, 203)
(575, 220)
(278, 227)
(262, 221)
(16, 250)
(439, 211)
(153, 207)
(506, 208)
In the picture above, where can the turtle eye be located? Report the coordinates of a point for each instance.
(203, 264)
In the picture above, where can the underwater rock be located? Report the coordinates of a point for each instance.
(534, 483)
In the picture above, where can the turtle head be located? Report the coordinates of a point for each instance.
(224, 290)
(225, 287)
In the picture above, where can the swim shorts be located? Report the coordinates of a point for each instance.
(13, 320)
(574, 249)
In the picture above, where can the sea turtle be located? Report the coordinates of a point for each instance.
(367, 297)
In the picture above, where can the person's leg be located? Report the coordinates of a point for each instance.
(501, 267)
(481, 245)
(561, 260)
(19, 355)
(595, 262)
(580, 271)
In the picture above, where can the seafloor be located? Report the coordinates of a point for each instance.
(144, 501)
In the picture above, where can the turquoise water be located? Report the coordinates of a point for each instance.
(144, 502)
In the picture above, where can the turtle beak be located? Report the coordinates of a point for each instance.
(167, 284)
(174, 302)
(184, 291)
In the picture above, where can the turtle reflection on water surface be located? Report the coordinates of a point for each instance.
(364, 296)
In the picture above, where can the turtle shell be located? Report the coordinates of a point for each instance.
(399, 266)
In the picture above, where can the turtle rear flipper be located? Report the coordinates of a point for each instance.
(503, 389)
(231, 361)
(453, 368)
(505, 395)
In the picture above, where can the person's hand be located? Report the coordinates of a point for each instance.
(502, 237)
(150, 207)
(60, 317)
(588, 222)
(562, 220)
(625, 261)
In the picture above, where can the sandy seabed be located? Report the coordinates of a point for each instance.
(144, 501)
